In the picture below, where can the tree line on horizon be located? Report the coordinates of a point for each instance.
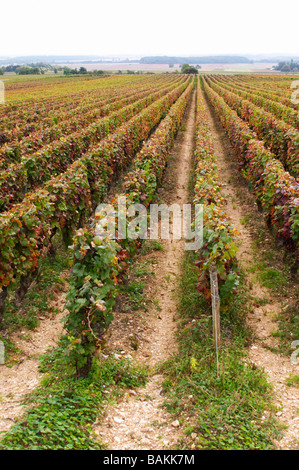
(284, 66)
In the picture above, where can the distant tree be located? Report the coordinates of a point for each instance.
(1, 71)
(67, 70)
(25, 70)
(82, 70)
(11, 68)
(98, 72)
(286, 68)
(186, 68)
(281, 64)
(294, 65)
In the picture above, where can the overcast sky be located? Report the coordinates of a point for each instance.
(154, 27)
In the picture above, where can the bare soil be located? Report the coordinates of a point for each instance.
(22, 378)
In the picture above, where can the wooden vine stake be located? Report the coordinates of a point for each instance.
(215, 310)
(2, 353)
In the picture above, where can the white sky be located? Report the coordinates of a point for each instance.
(154, 27)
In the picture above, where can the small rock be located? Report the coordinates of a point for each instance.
(175, 424)
(117, 419)
(193, 435)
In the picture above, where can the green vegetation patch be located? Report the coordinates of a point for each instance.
(50, 280)
(60, 413)
(229, 406)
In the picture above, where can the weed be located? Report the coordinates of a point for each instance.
(151, 245)
(293, 380)
(156, 304)
(135, 298)
(245, 220)
(141, 271)
(272, 278)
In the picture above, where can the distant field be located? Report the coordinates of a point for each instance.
(256, 67)
(23, 87)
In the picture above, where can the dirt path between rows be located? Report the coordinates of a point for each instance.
(262, 318)
(139, 421)
(22, 378)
